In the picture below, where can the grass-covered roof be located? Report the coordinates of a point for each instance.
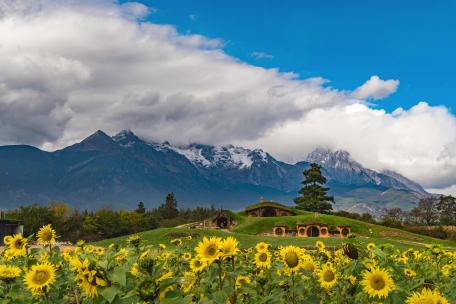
(269, 204)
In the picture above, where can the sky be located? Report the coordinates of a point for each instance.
(370, 78)
(342, 41)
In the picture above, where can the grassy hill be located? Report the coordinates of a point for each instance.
(249, 231)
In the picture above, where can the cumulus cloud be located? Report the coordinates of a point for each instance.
(72, 67)
(415, 142)
(376, 88)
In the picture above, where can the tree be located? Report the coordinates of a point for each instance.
(141, 209)
(393, 217)
(314, 195)
(447, 209)
(168, 210)
(427, 210)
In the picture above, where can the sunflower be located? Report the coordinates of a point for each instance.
(426, 296)
(123, 253)
(377, 283)
(189, 279)
(409, 272)
(209, 249)
(17, 245)
(370, 246)
(89, 281)
(7, 239)
(263, 259)
(46, 235)
(291, 258)
(309, 265)
(262, 246)
(352, 279)
(177, 242)
(144, 254)
(229, 247)
(8, 254)
(134, 269)
(78, 265)
(89, 249)
(446, 270)
(197, 264)
(328, 276)
(242, 280)
(187, 256)
(9, 272)
(99, 250)
(40, 277)
(320, 245)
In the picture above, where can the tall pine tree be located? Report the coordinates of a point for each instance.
(313, 195)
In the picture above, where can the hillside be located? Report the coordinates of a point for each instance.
(123, 169)
(249, 231)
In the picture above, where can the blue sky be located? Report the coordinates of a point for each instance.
(343, 41)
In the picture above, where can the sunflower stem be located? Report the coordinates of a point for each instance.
(46, 296)
(220, 275)
(234, 279)
(293, 299)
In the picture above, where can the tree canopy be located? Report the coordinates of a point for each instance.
(314, 195)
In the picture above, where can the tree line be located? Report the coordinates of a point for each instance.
(73, 224)
(429, 211)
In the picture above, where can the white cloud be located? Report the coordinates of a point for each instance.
(414, 142)
(69, 68)
(261, 55)
(376, 88)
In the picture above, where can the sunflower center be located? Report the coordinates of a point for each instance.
(328, 276)
(211, 251)
(41, 277)
(378, 282)
(292, 259)
(46, 236)
(263, 257)
(18, 244)
(309, 267)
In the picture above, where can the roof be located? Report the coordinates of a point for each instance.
(269, 204)
(312, 224)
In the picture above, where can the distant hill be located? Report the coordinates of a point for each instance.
(123, 169)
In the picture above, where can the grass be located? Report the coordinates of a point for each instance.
(250, 230)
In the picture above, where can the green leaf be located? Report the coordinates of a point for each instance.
(109, 293)
(120, 276)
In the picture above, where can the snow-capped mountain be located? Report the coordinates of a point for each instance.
(224, 156)
(342, 167)
(124, 169)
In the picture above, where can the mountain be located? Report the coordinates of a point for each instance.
(123, 169)
(364, 190)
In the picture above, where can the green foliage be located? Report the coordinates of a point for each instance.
(169, 210)
(313, 195)
(141, 209)
(73, 225)
(447, 209)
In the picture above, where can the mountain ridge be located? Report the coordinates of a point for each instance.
(123, 169)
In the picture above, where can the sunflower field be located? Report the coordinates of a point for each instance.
(218, 271)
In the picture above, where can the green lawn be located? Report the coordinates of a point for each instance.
(164, 235)
(250, 230)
